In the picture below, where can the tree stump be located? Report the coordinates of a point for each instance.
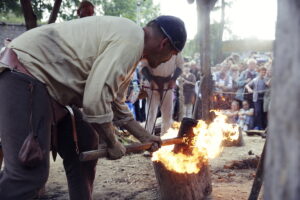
(239, 142)
(178, 186)
(183, 186)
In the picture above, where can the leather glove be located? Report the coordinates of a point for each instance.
(142, 135)
(114, 148)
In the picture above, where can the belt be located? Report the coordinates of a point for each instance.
(10, 58)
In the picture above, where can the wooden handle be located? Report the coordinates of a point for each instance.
(133, 148)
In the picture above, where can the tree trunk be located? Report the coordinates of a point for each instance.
(177, 186)
(282, 164)
(30, 17)
(54, 12)
(173, 185)
(203, 9)
(220, 34)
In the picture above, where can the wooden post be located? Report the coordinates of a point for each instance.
(257, 183)
(173, 185)
(1, 156)
(203, 9)
(282, 163)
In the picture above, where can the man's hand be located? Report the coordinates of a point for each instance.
(152, 139)
(116, 151)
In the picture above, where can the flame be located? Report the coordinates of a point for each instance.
(207, 144)
(223, 98)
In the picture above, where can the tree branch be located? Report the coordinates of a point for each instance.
(55, 11)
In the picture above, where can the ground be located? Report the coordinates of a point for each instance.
(133, 178)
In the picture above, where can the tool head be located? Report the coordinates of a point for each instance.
(186, 131)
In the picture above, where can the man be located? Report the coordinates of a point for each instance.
(188, 91)
(84, 63)
(244, 78)
(85, 9)
(258, 87)
(159, 86)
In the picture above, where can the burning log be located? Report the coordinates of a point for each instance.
(238, 141)
(187, 186)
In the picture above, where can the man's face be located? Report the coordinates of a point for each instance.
(262, 73)
(251, 66)
(86, 11)
(162, 53)
(245, 105)
(235, 106)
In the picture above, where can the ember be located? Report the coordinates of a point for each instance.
(206, 144)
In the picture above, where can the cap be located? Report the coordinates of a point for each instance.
(174, 29)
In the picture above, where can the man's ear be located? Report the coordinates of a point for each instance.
(164, 43)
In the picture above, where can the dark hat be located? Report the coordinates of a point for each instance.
(174, 29)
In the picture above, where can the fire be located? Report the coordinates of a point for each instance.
(206, 144)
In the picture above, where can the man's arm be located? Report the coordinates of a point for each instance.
(106, 132)
(141, 134)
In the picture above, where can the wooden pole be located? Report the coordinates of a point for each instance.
(257, 183)
(282, 163)
(203, 9)
(1, 156)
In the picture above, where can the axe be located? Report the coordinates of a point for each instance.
(183, 139)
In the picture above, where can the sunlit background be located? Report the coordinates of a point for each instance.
(245, 18)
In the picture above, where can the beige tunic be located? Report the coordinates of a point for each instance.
(87, 62)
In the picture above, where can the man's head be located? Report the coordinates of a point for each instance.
(262, 72)
(235, 106)
(85, 9)
(252, 64)
(246, 105)
(165, 36)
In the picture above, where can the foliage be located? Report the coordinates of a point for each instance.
(122, 8)
(9, 6)
(191, 47)
(128, 9)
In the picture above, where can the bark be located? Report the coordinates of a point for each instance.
(282, 163)
(55, 11)
(30, 17)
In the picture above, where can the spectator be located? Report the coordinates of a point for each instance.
(189, 81)
(244, 78)
(85, 9)
(233, 113)
(245, 119)
(159, 84)
(258, 87)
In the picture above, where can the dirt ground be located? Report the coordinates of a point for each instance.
(132, 177)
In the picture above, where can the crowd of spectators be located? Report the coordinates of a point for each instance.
(241, 90)
(244, 83)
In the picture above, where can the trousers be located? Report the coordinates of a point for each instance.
(154, 100)
(16, 104)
